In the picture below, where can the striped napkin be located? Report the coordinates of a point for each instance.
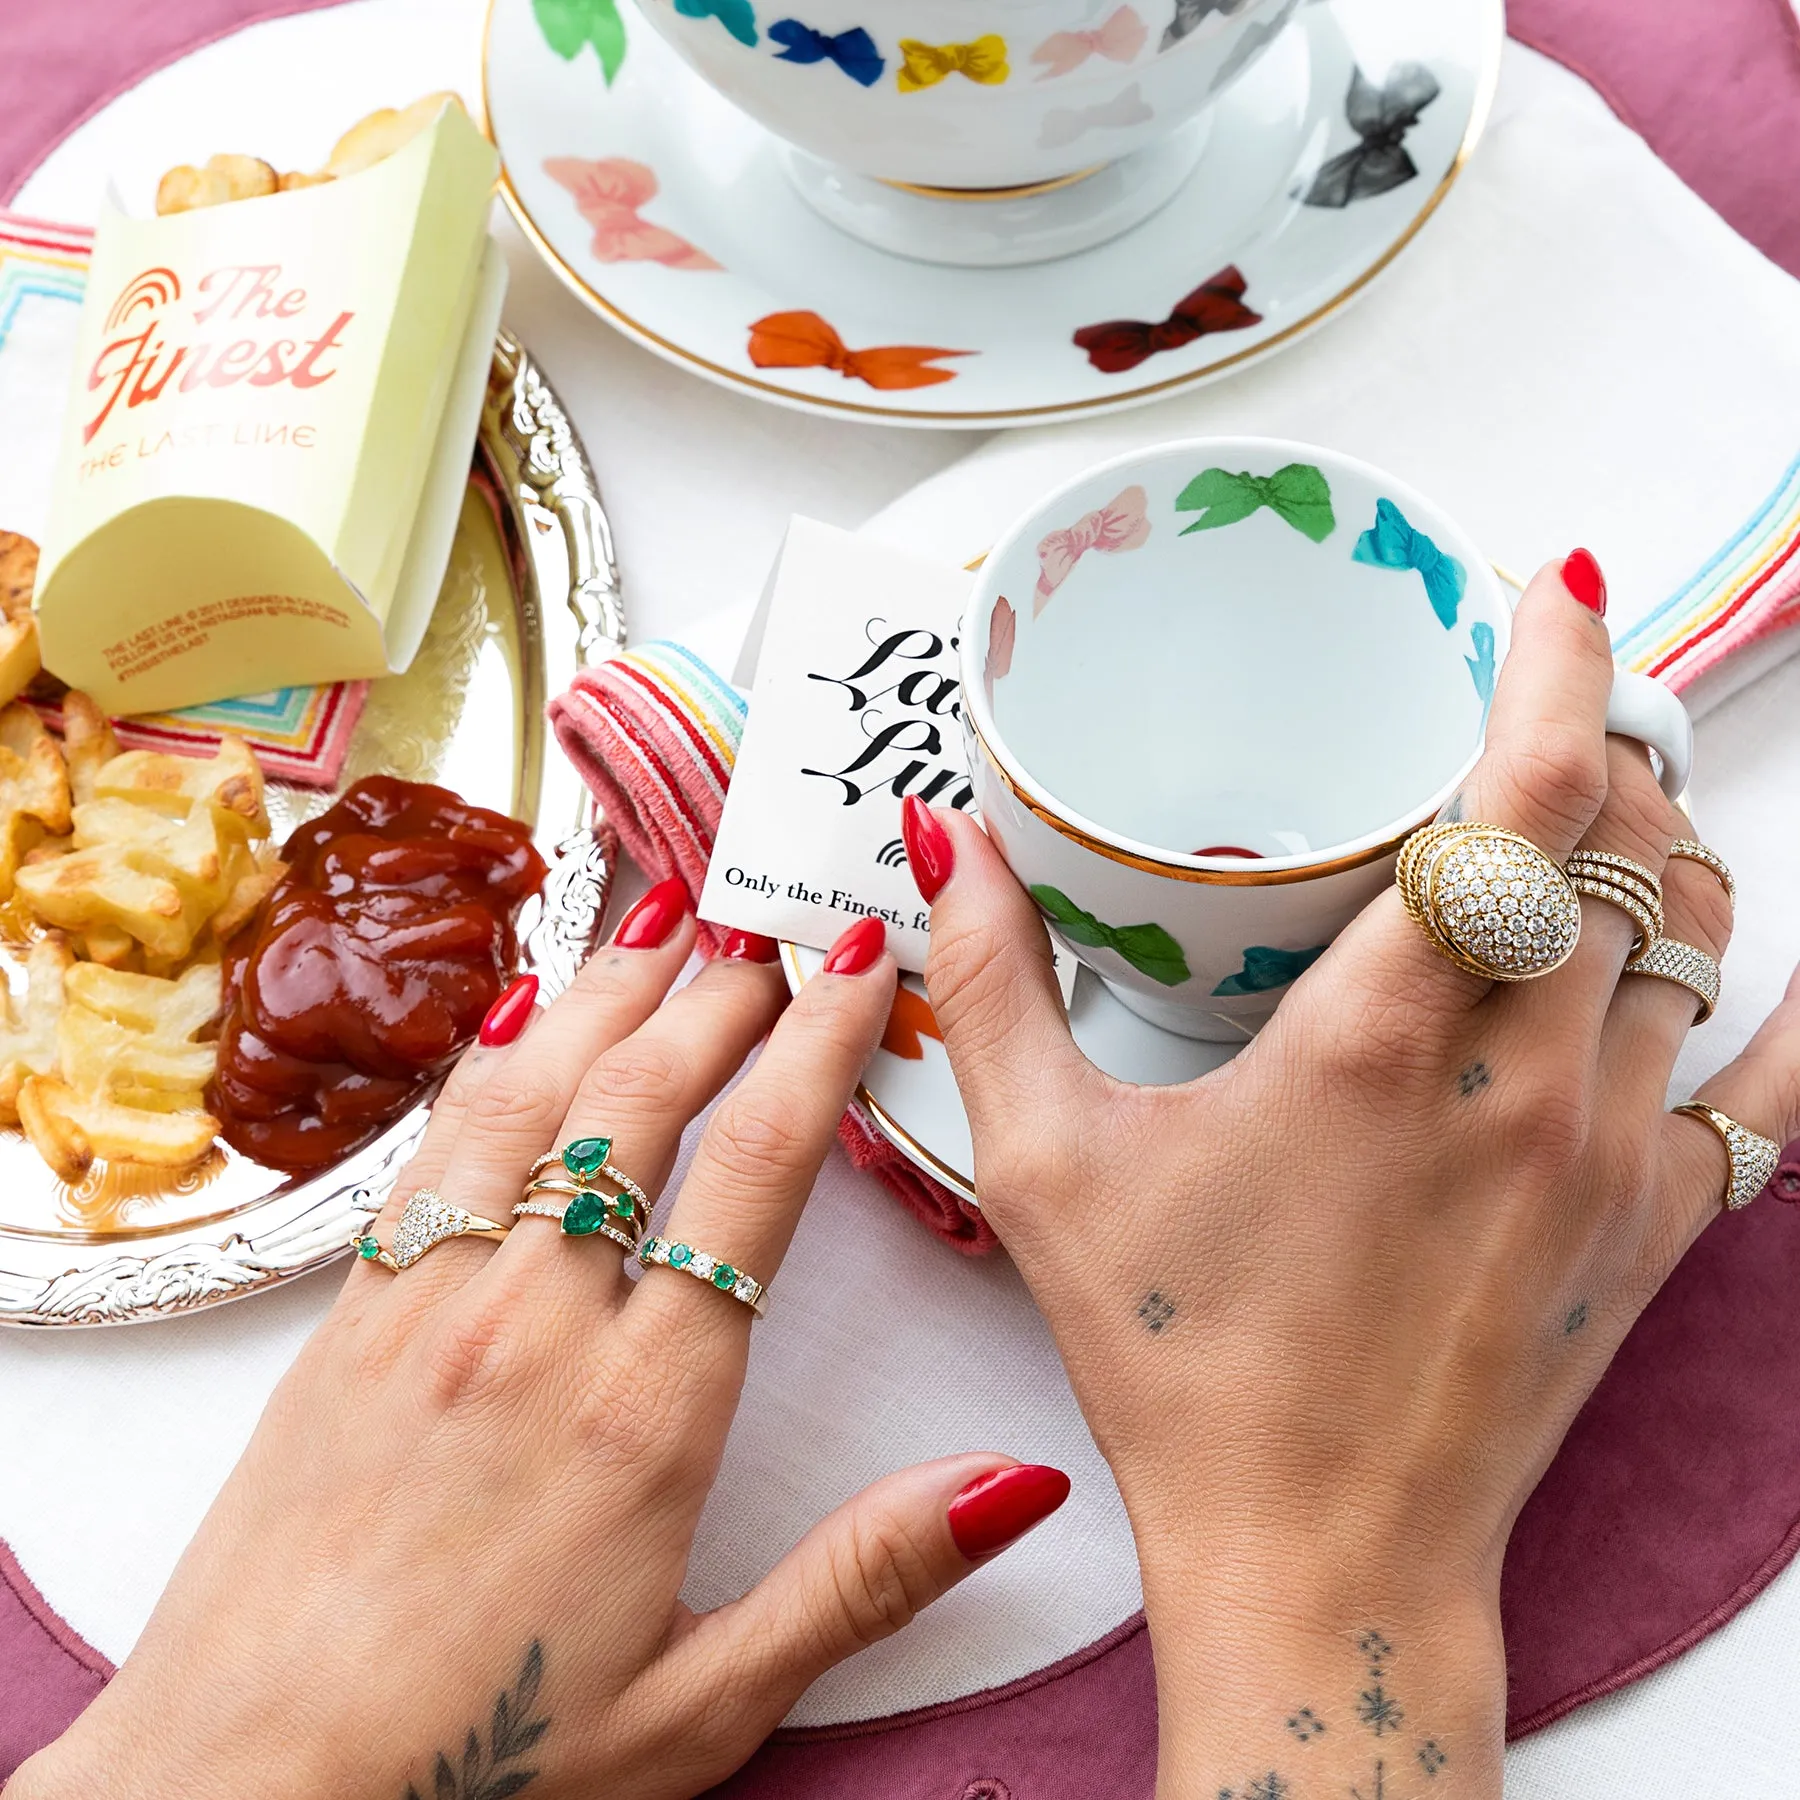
(655, 733)
(300, 735)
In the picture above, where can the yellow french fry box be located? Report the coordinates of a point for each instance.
(273, 410)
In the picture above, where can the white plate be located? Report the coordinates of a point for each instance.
(914, 1101)
(744, 245)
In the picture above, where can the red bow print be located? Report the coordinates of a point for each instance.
(1217, 304)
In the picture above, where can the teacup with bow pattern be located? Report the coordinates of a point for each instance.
(974, 97)
(1209, 688)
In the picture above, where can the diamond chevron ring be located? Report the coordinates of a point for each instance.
(660, 1253)
(429, 1220)
(1753, 1157)
(1489, 900)
(585, 1209)
(1688, 966)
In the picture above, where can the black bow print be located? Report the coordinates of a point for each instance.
(1381, 117)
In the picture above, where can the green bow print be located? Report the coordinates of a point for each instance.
(1148, 948)
(569, 24)
(1298, 493)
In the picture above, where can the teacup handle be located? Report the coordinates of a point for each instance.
(1644, 709)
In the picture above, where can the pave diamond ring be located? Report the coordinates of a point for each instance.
(1753, 1157)
(1668, 959)
(1489, 900)
(1691, 850)
(429, 1220)
(1628, 885)
(710, 1269)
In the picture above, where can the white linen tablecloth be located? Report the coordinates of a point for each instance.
(121, 1438)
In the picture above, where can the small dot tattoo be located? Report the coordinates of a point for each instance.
(1431, 1758)
(1473, 1079)
(1576, 1319)
(1156, 1311)
(1306, 1725)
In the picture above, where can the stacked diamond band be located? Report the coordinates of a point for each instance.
(1688, 966)
(1621, 882)
(577, 1205)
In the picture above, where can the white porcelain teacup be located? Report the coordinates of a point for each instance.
(895, 102)
(1209, 689)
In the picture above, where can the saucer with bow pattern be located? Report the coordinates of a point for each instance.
(673, 215)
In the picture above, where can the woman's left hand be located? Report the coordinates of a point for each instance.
(450, 1561)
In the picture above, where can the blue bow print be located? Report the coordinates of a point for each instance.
(853, 51)
(1391, 543)
(1481, 664)
(737, 16)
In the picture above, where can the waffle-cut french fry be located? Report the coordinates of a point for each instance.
(34, 790)
(111, 947)
(101, 1056)
(231, 779)
(377, 137)
(28, 1029)
(224, 178)
(254, 880)
(300, 178)
(99, 887)
(88, 744)
(175, 1009)
(70, 1130)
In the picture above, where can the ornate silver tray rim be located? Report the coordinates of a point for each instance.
(566, 595)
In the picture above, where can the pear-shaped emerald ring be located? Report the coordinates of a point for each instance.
(561, 1187)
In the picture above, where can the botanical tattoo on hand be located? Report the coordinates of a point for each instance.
(1451, 812)
(1473, 1079)
(491, 1773)
(1375, 1706)
(1576, 1319)
(1156, 1310)
(1377, 1786)
(1306, 1725)
(1260, 1787)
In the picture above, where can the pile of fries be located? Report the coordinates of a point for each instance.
(366, 143)
(129, 871)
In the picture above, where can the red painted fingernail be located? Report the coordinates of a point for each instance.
(507, 1017)
(749, 946)
(1581, 576)
(998, 1509)
(928, 847)
(649, 923)
(859, 948)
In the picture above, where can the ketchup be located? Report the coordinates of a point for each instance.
(372, 965)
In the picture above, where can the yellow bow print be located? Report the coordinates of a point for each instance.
(925, 65)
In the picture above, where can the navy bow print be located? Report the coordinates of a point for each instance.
(853, 51)
(1381, 117)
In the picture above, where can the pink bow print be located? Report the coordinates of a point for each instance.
(608, 194)
(1118, 39)
(1118, 525)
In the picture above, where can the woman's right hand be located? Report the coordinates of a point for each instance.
(1331, 1309)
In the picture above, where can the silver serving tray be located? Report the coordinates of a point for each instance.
(534, 530)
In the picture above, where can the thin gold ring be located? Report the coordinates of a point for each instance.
(1692, 850)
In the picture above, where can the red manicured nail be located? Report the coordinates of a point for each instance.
(998, 1509)
(507, 1017)
(1581, 576)
(859, 948)
(749, 946)
(928, 847)
(649, 923)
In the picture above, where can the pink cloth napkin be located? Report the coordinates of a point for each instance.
(655, 733)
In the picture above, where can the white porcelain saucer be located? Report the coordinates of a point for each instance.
(672, 214)
(910, 1093)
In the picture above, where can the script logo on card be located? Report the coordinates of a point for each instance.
(902, 714)
(249, 308)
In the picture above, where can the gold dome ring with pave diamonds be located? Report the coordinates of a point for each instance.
(686, 1260)
(1489, 900)
(429, 1220)
(1752, 1156)
(1628, 885)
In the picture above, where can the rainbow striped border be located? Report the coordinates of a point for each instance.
(1748, 589)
